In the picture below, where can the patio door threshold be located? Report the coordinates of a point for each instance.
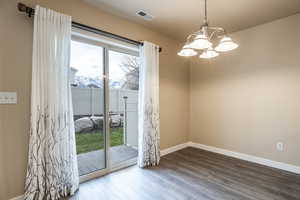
(103, 172)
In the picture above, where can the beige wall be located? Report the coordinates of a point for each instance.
(249, 99)
(15, 75)
(244, 101)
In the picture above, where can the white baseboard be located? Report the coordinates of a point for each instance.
(173, 149)
(18, 198)
(242, 156)
(250, 158)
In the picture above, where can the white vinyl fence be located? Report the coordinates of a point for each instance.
(89, 101)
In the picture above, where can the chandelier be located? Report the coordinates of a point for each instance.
(201, 43)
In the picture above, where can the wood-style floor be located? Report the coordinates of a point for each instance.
(193, 174)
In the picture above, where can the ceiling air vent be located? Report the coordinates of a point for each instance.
(145, 15)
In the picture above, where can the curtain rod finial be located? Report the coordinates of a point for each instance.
(21, 7)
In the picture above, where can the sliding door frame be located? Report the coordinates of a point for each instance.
(108, 167)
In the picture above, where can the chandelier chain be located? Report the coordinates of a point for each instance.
(205, 11)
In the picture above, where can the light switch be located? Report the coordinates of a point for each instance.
(8, 98)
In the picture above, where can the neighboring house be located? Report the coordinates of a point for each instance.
(73, 71)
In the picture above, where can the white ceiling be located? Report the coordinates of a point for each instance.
(178, 18)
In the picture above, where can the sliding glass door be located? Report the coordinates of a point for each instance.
(105, 85)
(87, 87)
(123, 106)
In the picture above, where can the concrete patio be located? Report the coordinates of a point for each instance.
(95, 160)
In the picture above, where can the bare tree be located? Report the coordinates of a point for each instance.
(131, 66)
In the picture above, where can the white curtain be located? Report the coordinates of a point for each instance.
(149, 151)
(52, 170)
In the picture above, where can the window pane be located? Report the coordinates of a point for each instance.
(88, 105)
(123, 99)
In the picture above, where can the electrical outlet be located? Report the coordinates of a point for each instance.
(279, 146)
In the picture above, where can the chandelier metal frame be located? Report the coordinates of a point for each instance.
(201, 41)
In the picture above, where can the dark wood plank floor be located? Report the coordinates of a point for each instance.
(193, 174)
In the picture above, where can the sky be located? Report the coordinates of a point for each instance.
(88, 60)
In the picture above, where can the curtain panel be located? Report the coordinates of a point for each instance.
(149, 135)
(52, 163)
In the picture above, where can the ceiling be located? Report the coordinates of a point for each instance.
(178, 18)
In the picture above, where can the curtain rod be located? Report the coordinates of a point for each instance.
(30, 12)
